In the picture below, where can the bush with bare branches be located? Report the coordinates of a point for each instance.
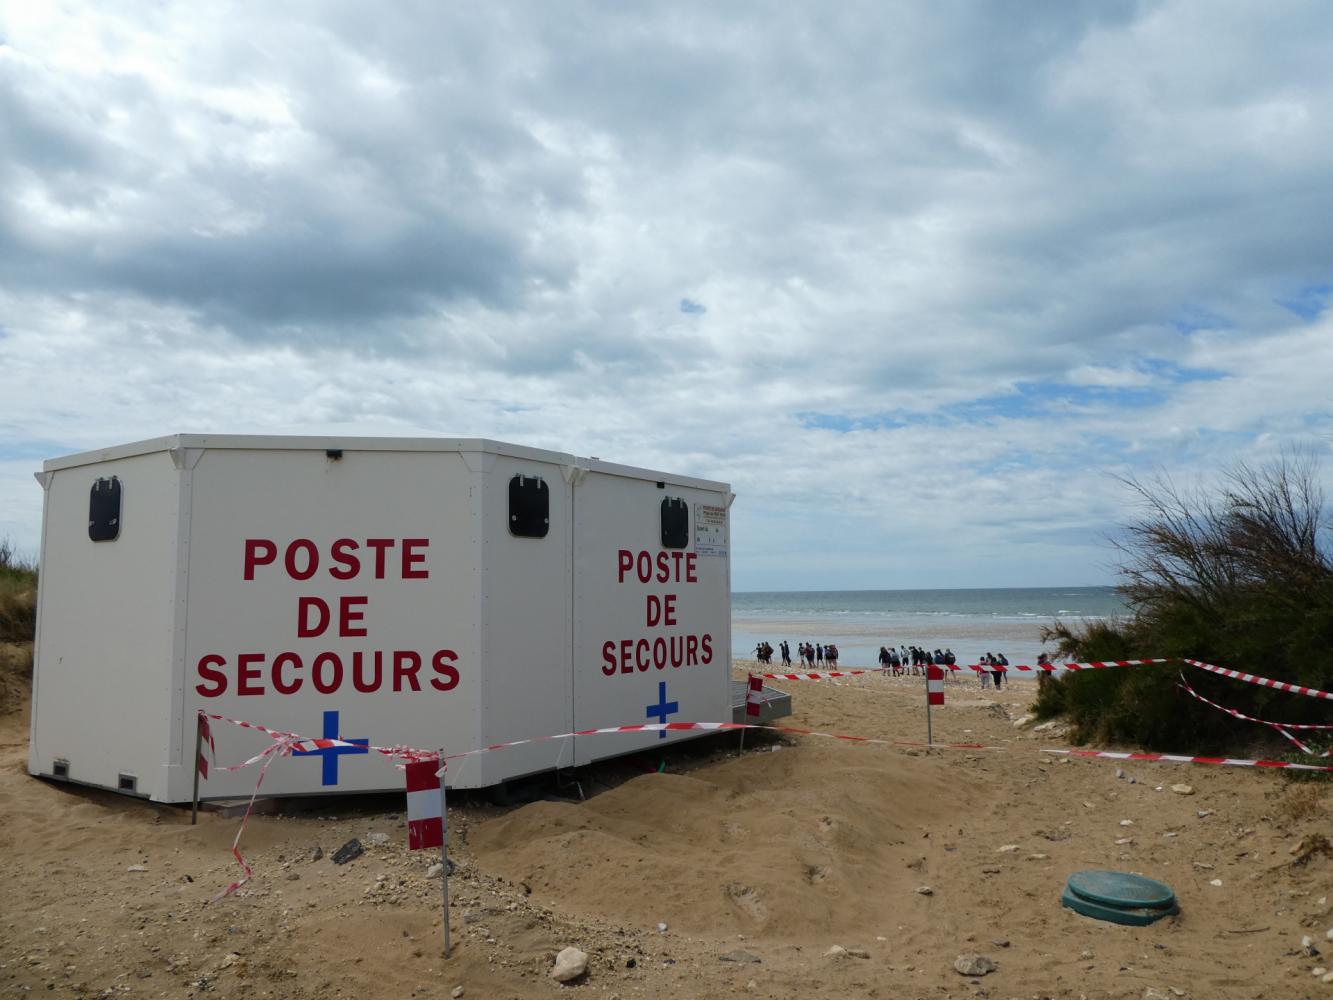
(1241, 576)
(18, 596)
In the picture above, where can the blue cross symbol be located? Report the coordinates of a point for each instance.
(663, 708)
(331, 754)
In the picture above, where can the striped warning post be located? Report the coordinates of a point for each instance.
(425, 820)
(934, 685)
(754, 696)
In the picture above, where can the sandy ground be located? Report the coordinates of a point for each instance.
(776, 854)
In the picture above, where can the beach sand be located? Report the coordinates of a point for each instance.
(778, 853)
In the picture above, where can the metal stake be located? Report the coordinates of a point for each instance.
(444, 852)
(198, 750)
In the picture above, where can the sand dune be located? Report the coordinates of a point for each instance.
(780, 852)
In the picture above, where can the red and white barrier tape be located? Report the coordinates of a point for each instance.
(1281, 727)
(307, 744)
(1177, 759)
(815, 675)
(1261, 681)
(676, 727)
(279, 749)
(1091, 665)
(285, 743)
(1249, 718)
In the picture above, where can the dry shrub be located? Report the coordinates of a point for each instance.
(1240, 575)
(15, 675)
(18, 595)
(1301, 801)
(18, 615)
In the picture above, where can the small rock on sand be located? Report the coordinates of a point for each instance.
(569, 964)
(1215, 882)
(350, 850)
(1007, 849)
(740, 955)
(837, 951)
(378, 839)
(924, 890)
(972, 964)
(1182, 789)
(456, 992)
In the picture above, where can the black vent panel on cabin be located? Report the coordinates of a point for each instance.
(104, 510)
(675, 523)
(529, 507)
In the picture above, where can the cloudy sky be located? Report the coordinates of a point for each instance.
(920, 280)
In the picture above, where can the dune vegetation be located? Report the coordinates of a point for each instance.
(1239, 576)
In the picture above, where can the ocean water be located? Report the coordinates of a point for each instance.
(970, 622)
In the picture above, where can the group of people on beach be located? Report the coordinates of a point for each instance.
(818, 654)
(912, 660)
(997, 662)
(810, 653)
(899, 662)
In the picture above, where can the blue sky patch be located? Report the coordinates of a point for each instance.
(34, 451)
(1309, 302)
(1178, 374)
(843, 424)
(691, 308)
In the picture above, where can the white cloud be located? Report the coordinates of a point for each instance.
(1006, 276)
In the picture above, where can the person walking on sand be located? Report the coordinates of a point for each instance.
(786, 653)
(819, 653)
(998, 673)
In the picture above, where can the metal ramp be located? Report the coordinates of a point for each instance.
(776, 705)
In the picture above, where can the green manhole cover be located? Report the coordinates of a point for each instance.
(1135, 916)
(1121, 889)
